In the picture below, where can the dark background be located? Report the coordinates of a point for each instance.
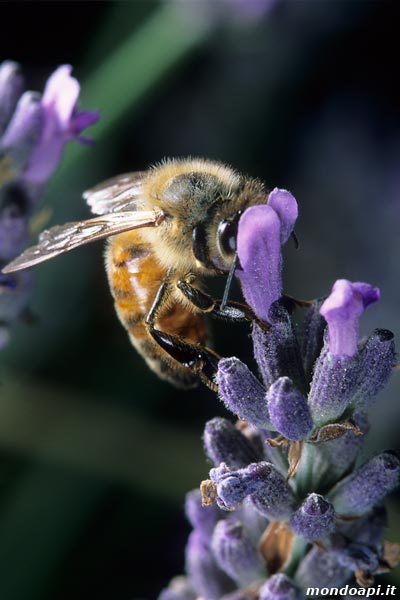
(96, 453)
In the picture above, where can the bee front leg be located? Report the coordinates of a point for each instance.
(231, 311)
(195, 357)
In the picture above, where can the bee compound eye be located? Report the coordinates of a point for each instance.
(227, 234)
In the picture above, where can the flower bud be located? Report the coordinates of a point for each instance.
(277, 351)
(315, 518)
(267, 488)
(224, 443)
(377, 357)
(202, 518)
(236, 554)
(242, 393)
(368, 485)
(205, 576)
(320, 568)
(288, 410)
(333, 386)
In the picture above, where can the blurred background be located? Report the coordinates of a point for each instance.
(96, 453)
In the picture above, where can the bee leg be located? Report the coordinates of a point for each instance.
(231, 311)
(197, 358)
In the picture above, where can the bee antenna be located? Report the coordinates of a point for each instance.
(295, 239)
(229, 281)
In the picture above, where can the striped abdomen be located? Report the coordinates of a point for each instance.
(134, 276)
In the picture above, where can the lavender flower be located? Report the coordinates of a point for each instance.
(61, 122)
(310, 512)
(33, 132)
(262, 231)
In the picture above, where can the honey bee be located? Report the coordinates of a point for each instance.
(167, 229)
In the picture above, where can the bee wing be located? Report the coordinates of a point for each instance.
(120, 193)
(63, 238)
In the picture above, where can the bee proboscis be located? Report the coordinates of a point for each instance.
(167, 229)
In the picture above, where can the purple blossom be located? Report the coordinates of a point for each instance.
(33, 132)
(342, 310)
(262, 231)
(243, 487)
(61, 122)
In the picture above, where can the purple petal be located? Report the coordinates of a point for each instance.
(82, 120)
(24, 130)
(259, 251)
(285, 206)
(11, 87)
(61, 122)
(45, 159)
(61, 95)
(342, 310)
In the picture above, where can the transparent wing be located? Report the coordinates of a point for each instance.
(63, 238)
(120, 193)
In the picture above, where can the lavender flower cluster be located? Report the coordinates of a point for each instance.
(286, 506)
(34, 129)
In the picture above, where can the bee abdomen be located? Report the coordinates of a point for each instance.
(134, 276)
